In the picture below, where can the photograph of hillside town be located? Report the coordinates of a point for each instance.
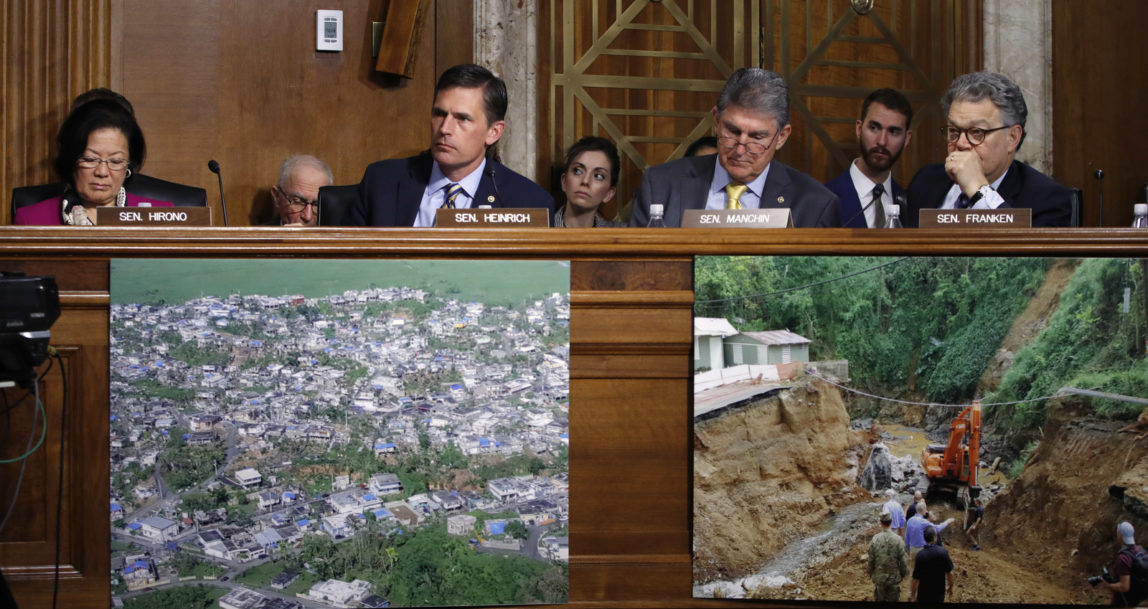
(339, 433)
(956, 429)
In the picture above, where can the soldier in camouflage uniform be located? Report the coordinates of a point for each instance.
(888, 564)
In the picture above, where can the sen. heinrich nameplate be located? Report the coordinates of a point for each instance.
(153, 216)
(1007, 217)
(503, 217)
(736, 218)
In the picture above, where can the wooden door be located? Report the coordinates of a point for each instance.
(1098, 117)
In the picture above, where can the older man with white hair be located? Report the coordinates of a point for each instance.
(296, 195)
(895, 511)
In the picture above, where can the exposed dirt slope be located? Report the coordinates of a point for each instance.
(768, 473)
(1062, 502)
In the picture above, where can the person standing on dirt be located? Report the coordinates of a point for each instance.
(912, 509)
(1120, 573)
(893, 508)
(974, 530)
(932, 571)
(887, 562)
(915, 530)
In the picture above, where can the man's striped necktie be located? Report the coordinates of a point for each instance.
(452, 193)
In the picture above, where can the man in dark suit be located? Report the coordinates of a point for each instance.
(467, 119)
(986, 117)
(867, 189)
(752, 123)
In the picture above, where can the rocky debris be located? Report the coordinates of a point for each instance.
(878, 472)
(1131, 487)
(853, 527)
(884, 471)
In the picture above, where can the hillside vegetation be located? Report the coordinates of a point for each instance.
(928, 328)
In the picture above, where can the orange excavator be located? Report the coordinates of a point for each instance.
(952, 467)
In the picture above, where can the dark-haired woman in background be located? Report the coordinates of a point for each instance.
(100, 144)
(589, 180)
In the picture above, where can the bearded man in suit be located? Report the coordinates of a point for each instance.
(867, 189)
(459, 171)
(752, 123)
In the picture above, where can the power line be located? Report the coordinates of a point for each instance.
(801, 287)
(929, 404)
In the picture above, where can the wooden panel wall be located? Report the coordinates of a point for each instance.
(240, 81)
(647, 73)
(643, 74)
(832, 57)
(1099, 87)
(43, 70)
(28, 542)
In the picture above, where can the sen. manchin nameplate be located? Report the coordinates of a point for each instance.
(1006, 217)
(502, 217)
(153, 216)
(736, 218)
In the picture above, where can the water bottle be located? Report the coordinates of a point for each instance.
(893, 217)
(1140, 215)
(657, 216)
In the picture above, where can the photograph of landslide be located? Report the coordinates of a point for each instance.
(1009, 391)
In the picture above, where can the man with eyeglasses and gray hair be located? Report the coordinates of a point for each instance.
(296, 195)
(986, 115)
(752, 123)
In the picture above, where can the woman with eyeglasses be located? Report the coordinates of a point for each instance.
(100, 144)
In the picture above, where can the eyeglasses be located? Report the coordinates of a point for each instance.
(295, 203)
(975, 135)
(91, 162)
(727, 142)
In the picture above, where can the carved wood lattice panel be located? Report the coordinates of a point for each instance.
(833, 55)
(646, 74)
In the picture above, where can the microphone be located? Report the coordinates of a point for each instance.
(1100, 185)
(213, 165)
(854, 216)
(490, 172)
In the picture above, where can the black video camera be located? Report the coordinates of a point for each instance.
(28, 308)
(1104, 576)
